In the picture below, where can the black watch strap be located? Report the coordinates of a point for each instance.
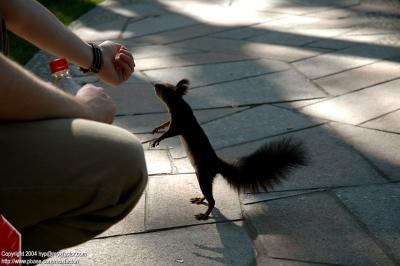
(97, 60)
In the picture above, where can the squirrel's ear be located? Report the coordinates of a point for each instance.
(183, 82)
(182, 90)
(182, 86)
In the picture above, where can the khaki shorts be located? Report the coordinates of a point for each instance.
(63, 181)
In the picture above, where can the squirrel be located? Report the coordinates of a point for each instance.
(261, 169)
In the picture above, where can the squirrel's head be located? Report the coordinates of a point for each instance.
(167, 92)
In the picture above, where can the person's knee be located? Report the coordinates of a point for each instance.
(117, 163)
(129, 170)
(131, 163)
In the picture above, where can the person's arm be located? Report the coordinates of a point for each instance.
(23, 96)
(33, 22)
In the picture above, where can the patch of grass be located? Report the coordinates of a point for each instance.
(66, 11)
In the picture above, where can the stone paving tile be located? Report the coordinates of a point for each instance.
(134, 10)
(332, 162)
(332, 43)
(146, 123)
(284, 38)
(299, 104)
(207, 74)
(251, 198)
(181, 34)
(299, 9)
(379, 147)
(334, 13)
(211, 13)
(187, 60)
(212, 244)
(38, 64)
(331, 63)
(252, 124)
(389, 122)
(370, 31)
(378, 208)
(351, 39)
(86, 79)
(276, 87)
(340, 3)
(109, 16)
(359, 78)
(141, 51)
(299, 36)
(247, 48)
(264, 260)
(134, 222)
(173, 145)
(157, 162)
(389, 8)
(313, 228)
(104, 31)
(289, 22)
(168, 202)
(97, 17)
(294, 7)
(176, 150)
(179, 4)
(359, 106)
(151, 25)
(183, 166)
(335, 26)
(240, 33)
(134, 98)
(141, 123)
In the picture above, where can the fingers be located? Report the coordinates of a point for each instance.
(125, 65)
(127, 58)
(125, 51)
(118, 63)
(124, 69)
(94, 90)
(97, 103)
(125, 62)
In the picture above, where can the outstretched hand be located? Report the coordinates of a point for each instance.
(118, 63)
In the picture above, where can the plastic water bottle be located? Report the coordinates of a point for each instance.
(62, 78)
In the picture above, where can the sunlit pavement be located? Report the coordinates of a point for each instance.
(325, 72)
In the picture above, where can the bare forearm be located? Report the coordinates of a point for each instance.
(26, 97)
(30, 20)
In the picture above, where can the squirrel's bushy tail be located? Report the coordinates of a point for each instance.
(266, 166)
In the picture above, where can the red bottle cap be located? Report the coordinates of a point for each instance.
(58, 64)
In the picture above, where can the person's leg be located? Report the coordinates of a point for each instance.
(63, 181)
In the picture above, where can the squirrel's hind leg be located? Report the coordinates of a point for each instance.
(206, 188)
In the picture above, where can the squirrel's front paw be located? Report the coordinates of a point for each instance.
(155, 130)
(155, 143)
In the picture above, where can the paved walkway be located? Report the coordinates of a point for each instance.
(326, 72)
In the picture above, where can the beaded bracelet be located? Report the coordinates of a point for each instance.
(97, 60)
